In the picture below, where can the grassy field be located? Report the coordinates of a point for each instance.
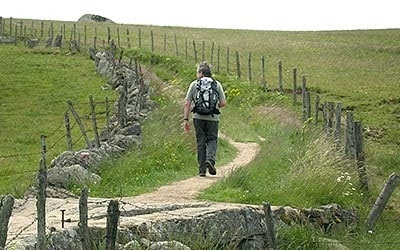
(297, 166)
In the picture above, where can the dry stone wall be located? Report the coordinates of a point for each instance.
(79, 167)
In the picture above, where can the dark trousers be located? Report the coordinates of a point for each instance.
(207, 140)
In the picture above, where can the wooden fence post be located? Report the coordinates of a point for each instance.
(85, 38)
(307, 109)
(83, 219)
(195, 52)
(80, 123)
(95, 38)
(360, 157)
(294, 86)
(303, 95)
(11, 26)
(41, 198)
(68, 131)
(152, 41)
(269, 221)
(212, 53)
(249, 67)
(122, 115)
(391, 183)
(128, 39)
(218, 58)
(6, 207)
(349, 147)
(238, 73)
(330, 116)
(317, 108)
(227, 61)
(112, 224)
(118, 38)
(338, 123)
(280, 78)
(108, 35)
(203, 48)
(139, 38)
(108, 120)
(263, 81)
(186, 49)
(94, 121)
(176, 45)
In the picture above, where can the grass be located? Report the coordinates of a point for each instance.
(35, 86)
(296, 166)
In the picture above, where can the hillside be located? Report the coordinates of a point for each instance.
(358, 68)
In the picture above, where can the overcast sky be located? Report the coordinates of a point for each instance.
(246, 14)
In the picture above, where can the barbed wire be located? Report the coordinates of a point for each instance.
(19, 155)
(18, 173)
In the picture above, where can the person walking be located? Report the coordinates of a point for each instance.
(207, 96)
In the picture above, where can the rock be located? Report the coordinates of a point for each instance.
(90, 18)
(75, 174)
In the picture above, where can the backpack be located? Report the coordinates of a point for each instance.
(206, 98)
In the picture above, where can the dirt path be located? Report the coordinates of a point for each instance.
(187, 190)
(182, 193)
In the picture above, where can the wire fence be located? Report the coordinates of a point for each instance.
(226, 60)
(248, 66)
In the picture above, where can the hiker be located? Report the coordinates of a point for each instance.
(208, 96)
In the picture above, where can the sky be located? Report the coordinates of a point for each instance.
(290, 15)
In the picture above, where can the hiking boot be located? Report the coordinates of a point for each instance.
(202, 174)
(211, 168)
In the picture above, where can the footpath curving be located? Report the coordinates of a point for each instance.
(173, 202)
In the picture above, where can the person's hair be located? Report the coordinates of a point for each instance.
(204, 68)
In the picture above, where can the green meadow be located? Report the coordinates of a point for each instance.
(298, 165)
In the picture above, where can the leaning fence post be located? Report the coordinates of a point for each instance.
(112, 224)
(6, 206)
(94, 122)
(41, 198)
(270, 226)
(80, 123)
(391, 183)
